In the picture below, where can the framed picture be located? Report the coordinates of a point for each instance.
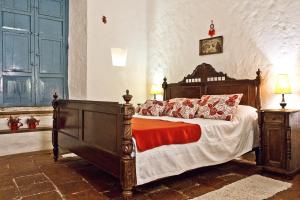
(211, 46)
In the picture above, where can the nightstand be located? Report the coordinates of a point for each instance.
(280, 140)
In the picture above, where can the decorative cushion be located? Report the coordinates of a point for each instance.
(138, 108)
(170, 105)
(218, 106)
(152, 107)
(181, 108)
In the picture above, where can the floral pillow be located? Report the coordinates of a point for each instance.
(219, 106)
(170, 105)
(182, 108)
(152, 107)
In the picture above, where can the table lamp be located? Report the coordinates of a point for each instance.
(282, 87)
(156, 89)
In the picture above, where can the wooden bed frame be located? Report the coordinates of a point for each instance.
(100, 132)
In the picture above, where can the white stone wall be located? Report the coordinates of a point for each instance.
(77, 60)
(126, 28)
(257, 34)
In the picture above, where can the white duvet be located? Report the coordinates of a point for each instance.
(221, 141)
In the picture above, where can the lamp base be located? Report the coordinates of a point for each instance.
(282, 103)
(154, 96)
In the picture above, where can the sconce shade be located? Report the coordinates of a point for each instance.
(156, 89)
(119, 57)
(282, 85)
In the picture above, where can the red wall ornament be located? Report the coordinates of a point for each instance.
(212, 30)
(104, 19)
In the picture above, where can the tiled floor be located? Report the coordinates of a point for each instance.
(34, 176)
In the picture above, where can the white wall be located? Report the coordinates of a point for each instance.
(125, 28)
(257, 34)
(77, 60)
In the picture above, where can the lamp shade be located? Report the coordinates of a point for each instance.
(119, 57)
(283, 85)
(156, 89)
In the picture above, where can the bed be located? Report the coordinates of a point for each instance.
(100, 132)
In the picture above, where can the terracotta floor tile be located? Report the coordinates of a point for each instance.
(140, 196)
(53, 195)
(41, 160)
(64, 178)
(73, 187)
(53, 167)
(78, 164)
(100, 185)
(5, 172)
(6, 182)
(94, 173)
(167, 195)
(212, 182)
(113, 193)
(179, 184)
(10, 193)
(196, 190)
(30, 179)
(86, 195)
(32, 189)
(231, 177)
(211, 173)
(152, 187)
(22, 167)
(35, 174)
(4, 165)
(60, 174)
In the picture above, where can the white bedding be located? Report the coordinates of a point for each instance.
(221, 141)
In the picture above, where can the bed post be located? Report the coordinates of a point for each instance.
(258, 150)
(128, 176)
(164, 86)
(54, 128)
(258, 81)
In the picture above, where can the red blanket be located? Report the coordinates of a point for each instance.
(151, 133)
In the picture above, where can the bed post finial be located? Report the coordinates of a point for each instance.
(55, 96)
(127, 97)
(258, 150)
(164, 86)
(54, 130)
(258, 81)
(128, 177)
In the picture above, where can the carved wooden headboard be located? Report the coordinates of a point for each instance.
(206, 80)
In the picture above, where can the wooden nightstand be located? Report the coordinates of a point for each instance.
(280, 140)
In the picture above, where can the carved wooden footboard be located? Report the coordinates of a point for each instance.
(99, 132)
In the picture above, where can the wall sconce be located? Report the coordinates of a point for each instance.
(119, 57)
(282, 87)
(156, 89)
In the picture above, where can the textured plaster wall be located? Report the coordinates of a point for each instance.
(257, 34)
(126, 28)
(77, 61)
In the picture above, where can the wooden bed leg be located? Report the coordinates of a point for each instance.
(128, 176)
(258, 156)
(54, 128)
